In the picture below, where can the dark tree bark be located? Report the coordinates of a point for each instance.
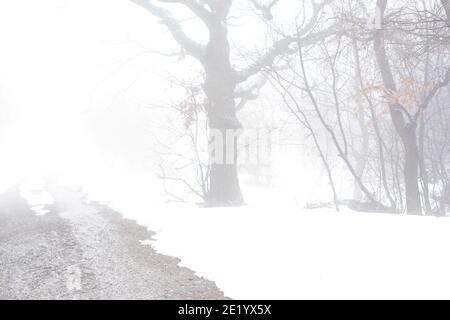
(412, 193)
(220, 84)
(406, 128)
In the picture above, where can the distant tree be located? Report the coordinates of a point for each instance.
(407, 49)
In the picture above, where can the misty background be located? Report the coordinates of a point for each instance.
(341, 110)
(87, 87)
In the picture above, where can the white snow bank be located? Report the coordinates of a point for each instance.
(285, 252)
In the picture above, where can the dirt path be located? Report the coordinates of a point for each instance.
(85, 251)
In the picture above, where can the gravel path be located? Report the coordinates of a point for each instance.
(85, 251)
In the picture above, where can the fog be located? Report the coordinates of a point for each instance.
(255, 115)
(87, 84)
(62, 69)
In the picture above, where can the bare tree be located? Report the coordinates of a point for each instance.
(403, 121)
(221, 78)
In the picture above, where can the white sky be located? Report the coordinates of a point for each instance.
(59, 49)
(59, 58)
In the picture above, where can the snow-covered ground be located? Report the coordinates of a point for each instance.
(279, 251)
(273, 248)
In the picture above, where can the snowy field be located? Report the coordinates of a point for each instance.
(276, 251)
(273, 248)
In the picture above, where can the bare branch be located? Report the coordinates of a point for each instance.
(426, 101)
(199, 10)
(265, 9)
(192, 47)
(281, 46)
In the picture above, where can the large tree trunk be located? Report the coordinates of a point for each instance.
(224, 188)
(413, 203)
(219, 86)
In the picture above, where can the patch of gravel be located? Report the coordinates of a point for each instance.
(85, 251)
